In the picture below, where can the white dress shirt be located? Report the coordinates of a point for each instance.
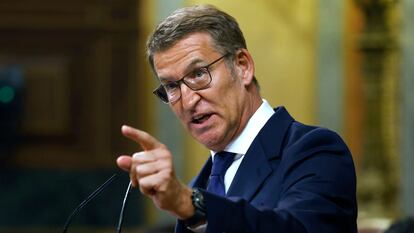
(240, 145)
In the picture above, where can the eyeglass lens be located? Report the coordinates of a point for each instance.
(198, 79)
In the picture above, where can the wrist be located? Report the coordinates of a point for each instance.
(185, 208)
(199, 216)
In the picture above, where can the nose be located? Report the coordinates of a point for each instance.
(189, 98)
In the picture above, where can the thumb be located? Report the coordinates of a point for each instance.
(124, 162)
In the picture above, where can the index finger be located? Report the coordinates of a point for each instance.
(146, 141)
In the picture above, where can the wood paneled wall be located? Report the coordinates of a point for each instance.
(79, 60)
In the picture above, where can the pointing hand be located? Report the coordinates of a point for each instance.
(153, 172)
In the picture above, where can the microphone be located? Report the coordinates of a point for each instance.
(87, 200)
(121, 214)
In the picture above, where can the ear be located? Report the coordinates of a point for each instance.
(244, 66)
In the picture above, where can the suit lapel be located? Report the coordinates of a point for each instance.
(252, 172)
(201, 179)
(256, 167)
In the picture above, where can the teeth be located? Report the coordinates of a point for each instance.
(198, 118)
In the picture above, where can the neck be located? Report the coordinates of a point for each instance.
(253, 102)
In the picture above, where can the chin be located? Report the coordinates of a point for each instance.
(215, 144)
(213, 138)
(210, 141)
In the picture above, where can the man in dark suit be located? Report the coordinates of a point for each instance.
(267, 172)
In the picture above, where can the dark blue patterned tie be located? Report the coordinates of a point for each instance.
(222, 161)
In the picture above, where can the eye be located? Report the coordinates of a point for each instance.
(199, 73)
(170, 85)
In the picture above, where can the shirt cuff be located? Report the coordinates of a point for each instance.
(198, 229)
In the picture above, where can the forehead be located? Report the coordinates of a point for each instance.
(189, 51)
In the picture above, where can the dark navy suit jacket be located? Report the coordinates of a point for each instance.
(294, 178)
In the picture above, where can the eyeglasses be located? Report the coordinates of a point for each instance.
(196, 80)
(92, 196)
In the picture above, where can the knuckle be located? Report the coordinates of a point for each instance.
(137, 155)
(166, 175)
(165, 154)
(139, 170)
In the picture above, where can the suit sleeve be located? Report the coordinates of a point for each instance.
(317, 192)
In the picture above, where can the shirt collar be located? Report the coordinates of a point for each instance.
(241, 143)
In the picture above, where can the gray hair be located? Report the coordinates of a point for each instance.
(223, 29)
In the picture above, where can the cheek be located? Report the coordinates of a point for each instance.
(229, 117)
(177, 110)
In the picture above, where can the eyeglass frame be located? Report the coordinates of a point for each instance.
(161, 91)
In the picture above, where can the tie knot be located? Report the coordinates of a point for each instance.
(222, 161)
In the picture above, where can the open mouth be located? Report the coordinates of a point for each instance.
(200, 119)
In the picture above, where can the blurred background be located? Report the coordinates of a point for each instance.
(72, 72)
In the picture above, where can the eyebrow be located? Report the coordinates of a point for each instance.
(187, 70)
